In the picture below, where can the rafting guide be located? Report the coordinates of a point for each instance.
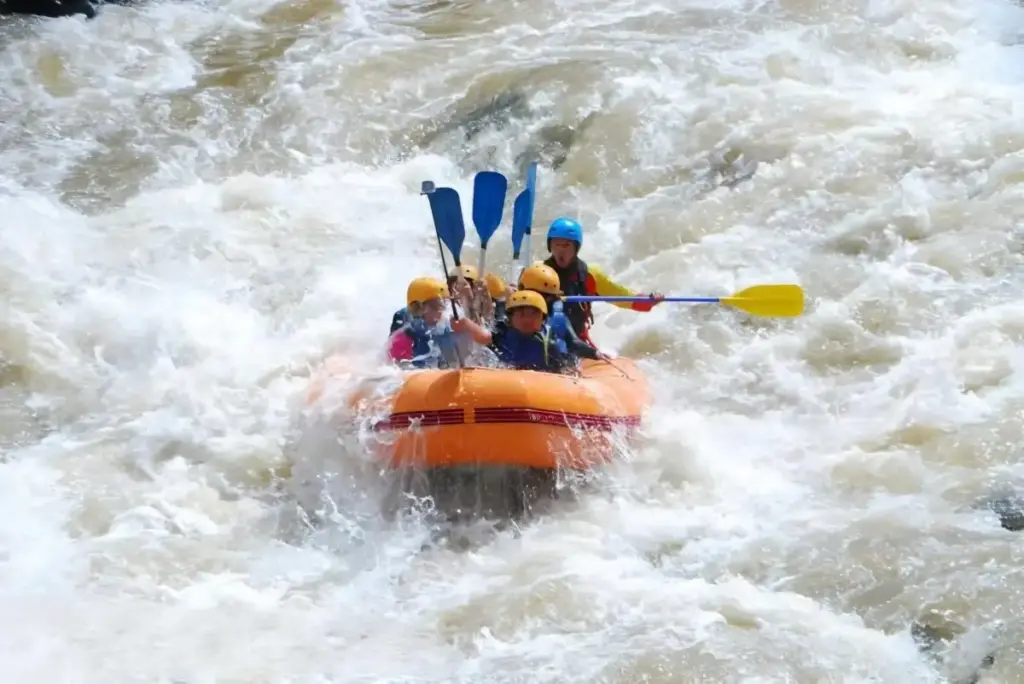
(564, 240)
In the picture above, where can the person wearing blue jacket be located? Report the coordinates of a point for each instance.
(543, 279)
(423, 339)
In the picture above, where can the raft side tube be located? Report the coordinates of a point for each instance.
(503, 417)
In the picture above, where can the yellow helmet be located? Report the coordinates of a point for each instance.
(540, 277)
(468, 272)
(424, 289)
(496, 286)
(525, 298)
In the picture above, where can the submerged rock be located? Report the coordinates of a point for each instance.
(57, 8)
(463, 127)
(934, 636)
(48, 8)
(1009, 508)
(463, 131)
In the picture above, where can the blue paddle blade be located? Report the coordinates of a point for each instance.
(447, 212)
(522, 217)
(522, 211)
(489, 188)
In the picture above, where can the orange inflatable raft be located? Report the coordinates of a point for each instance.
(501, 417)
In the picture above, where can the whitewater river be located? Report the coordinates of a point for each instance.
(199, 201)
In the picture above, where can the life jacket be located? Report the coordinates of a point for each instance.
(429, 350)
(529, 352)
(573, 281)
(400, 318)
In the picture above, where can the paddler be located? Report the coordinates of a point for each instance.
(471, 294)
(576, 277)
(462, 284)
(524, 342)
(499, 291)
(462, 281)
(541, 278)
(425, 339)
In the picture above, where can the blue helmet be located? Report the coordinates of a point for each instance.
(566, 229)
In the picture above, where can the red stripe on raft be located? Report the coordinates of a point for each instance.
(546, 417)
(498, 415)
(400, 421)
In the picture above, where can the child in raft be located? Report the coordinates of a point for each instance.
(499, 292)
(524, 342)
(484, 301)
(541, 278)
(425, 339)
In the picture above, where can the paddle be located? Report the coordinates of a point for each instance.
(489, 188)
(449, 228)
(446, 209)
(777, 301)
(522, 214)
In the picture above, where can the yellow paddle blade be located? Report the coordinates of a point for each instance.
(779, 301)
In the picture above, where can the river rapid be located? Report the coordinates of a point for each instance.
(199, 201)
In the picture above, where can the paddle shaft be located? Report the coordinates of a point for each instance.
(444, 265)
(483, 262)
(639, 298)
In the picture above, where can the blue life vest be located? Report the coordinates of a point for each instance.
(431, 347)
(529, 352)
(400, 318)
